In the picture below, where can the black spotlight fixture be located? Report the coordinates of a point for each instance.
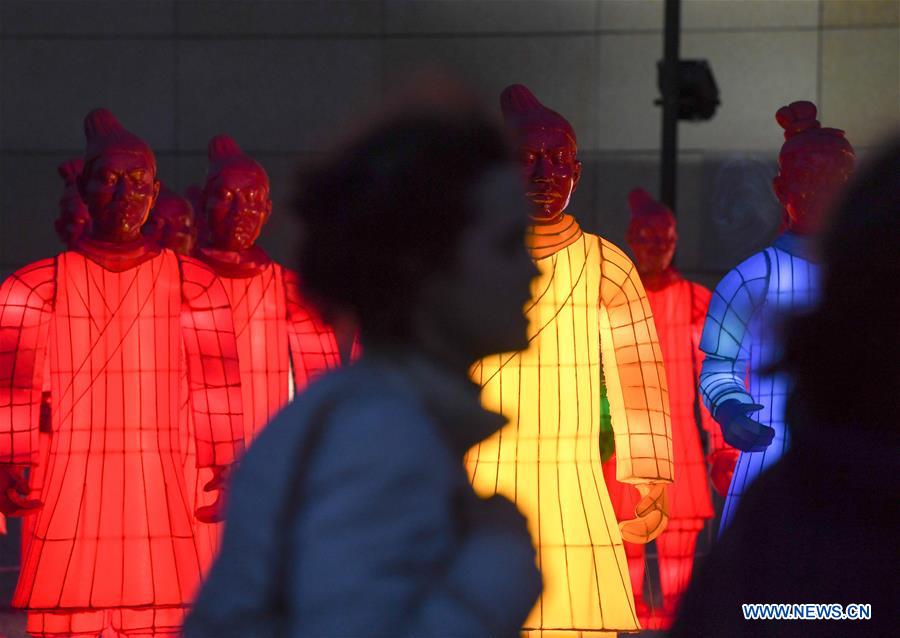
(698, 93)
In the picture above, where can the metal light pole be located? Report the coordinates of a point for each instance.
(669, 75)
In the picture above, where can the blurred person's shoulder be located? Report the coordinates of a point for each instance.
(365, 400)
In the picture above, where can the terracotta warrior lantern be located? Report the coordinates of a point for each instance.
(747, 306)
(679, 308)
(591, 332)
(282, 343)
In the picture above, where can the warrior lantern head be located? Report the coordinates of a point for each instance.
(547, 151)
(118, 183)
(651, 233)
(813, 165)
(235, 198)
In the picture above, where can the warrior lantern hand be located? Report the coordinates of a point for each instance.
(739, 430)
(215, 512)
(651, 514)
(14, 491)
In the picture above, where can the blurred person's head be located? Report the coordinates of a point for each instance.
(416, 230)
(651, 234)
(813, 166)
(236, 202)
(547, 152)
(74, 219)
(171, 222)
(118, 183)
(844, 357)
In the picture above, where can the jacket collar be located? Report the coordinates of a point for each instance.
(453, 400)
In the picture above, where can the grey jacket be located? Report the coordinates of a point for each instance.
(380, 534)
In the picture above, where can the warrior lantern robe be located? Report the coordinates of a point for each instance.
(590, 324)
(124, 337)
(740, 339)
(679, 310)
(282, 345)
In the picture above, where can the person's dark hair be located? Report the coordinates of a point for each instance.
(386, 212)
(844, 356)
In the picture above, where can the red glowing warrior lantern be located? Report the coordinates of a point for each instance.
(134, 337)
(679, 310)
(281, 341)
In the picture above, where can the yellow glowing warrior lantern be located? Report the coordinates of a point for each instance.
(590, 326)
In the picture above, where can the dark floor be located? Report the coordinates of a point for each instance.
(12, 623)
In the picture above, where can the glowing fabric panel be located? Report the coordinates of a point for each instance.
(740, 340)
(123, 348)
(152, 622)
(314, 348)
(26, 299)
(587, 298)
(11, 304)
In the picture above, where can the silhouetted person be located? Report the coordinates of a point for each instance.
(815, 528)
(352, 514)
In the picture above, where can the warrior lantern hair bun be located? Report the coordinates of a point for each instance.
(223, 147)
(70, 169)
(642, 204)
(522, 110)
(804, 133)
(797, 117)
(103, 132)
(517, 99)
(223, 152)
(101, 123)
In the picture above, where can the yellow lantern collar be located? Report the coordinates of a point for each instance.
(544, 240)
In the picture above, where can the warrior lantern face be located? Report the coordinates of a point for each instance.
(550, 169)
(652, 239)
(173, 225)
(237, 208)
(118, 188)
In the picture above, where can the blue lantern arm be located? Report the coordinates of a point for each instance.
(726, 338)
